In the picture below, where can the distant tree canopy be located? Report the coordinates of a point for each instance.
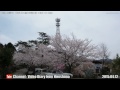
(23, 43)
(42, 39)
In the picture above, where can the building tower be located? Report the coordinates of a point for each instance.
(58, 36)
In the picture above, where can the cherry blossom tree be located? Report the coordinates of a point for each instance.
(73, 51)
(24, 56)
(40, 56)
(85, 69)
(37, 53)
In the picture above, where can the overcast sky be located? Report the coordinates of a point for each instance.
(98, 26)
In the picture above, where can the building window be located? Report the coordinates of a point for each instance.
(97, 70)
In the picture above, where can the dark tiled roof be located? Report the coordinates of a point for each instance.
(101, 60)
(97, 61)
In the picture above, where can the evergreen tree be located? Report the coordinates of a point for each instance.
(6, 58)
(44, 38)
(116, 65)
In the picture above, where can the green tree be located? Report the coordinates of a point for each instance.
(6, 58)
(22, 43)
(43, 38)
(116, 65)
